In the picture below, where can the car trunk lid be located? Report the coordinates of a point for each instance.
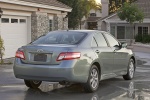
(44, 54)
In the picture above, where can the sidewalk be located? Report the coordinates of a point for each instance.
(140, 48)
(142, 53)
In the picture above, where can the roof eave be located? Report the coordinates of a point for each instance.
(107, 17)
(18, 2)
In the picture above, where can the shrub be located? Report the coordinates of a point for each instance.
(2, 49)
(146, 39)
(138, 38)
(142, 38)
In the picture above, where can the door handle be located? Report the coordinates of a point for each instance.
(97, 51)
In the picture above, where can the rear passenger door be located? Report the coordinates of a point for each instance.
(104, 53)
(120, 56)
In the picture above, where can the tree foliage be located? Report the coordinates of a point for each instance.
(115, 5)
(131, 13)
(80, 8)
(2, 49)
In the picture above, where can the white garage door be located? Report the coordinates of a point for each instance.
(14, 33)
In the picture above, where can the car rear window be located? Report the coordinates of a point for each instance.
(61, 38)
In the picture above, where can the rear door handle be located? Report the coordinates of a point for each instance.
(97, 51)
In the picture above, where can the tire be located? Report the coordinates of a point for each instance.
(93, 80)
(32, 84)
(130, 71)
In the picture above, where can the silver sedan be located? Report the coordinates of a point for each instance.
(74, 56)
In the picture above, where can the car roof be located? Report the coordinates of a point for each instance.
(85, 31)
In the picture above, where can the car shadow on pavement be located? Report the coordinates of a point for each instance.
(75, 92)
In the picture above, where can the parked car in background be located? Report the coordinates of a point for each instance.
(74, 56)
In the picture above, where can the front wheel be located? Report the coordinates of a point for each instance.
(32, 84)
(93, 80)
(130, 71)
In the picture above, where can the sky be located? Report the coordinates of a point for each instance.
(98, 1)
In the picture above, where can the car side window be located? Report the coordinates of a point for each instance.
(112, 41)
(94, 44)
(100, 40)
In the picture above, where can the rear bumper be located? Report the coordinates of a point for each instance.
(51, 73)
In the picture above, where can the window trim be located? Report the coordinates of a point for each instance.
(22, 22)
(142, 28)
(103, 37)
(92, 42)
(93, 14)
(52, 24)
(112, 36)
(15, 22)
(5, 22)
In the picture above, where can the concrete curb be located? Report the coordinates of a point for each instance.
(139, 45)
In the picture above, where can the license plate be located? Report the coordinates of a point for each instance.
(40, 57)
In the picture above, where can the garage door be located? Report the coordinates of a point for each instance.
(14, 33)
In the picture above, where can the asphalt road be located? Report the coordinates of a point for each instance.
(111, 89)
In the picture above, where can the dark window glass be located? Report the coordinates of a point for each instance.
(14, 20)
(22, 20)
(94, 44)
(145, 30)
(112, 41)
(61, 38)
(121, 32)
(5, 20)
(93, 14)
(142, 30)
(112, 30)
(100, 40)
(50, 25)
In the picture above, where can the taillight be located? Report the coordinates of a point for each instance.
(20, 54)
(68, 56)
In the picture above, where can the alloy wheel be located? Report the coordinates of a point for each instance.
(131, 69)
(94, 81)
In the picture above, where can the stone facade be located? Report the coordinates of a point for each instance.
(62, 22)
(39, 24)
(55, 18)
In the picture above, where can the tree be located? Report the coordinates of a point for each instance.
(130, 13)
(2, 49)
(80, 8)
(115, 5)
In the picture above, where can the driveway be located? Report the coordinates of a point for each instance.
(111, 89)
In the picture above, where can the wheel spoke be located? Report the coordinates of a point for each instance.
(94, 78)
(131, 69)
(91, 81)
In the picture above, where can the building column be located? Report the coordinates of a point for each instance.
(60, 22)
(99, 25)
(108, 27)
(39, 24)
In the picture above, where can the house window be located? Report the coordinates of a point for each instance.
(112, 30)
(120, 32)
(14, 20)
(143, 30)
(5, 20)
(22, 20)
(92, 14)
(50, 25)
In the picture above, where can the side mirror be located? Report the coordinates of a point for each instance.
(117, 47)
(124, 45)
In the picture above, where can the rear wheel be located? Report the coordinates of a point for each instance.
(93, 80)
(130, 71)
(32, 84)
